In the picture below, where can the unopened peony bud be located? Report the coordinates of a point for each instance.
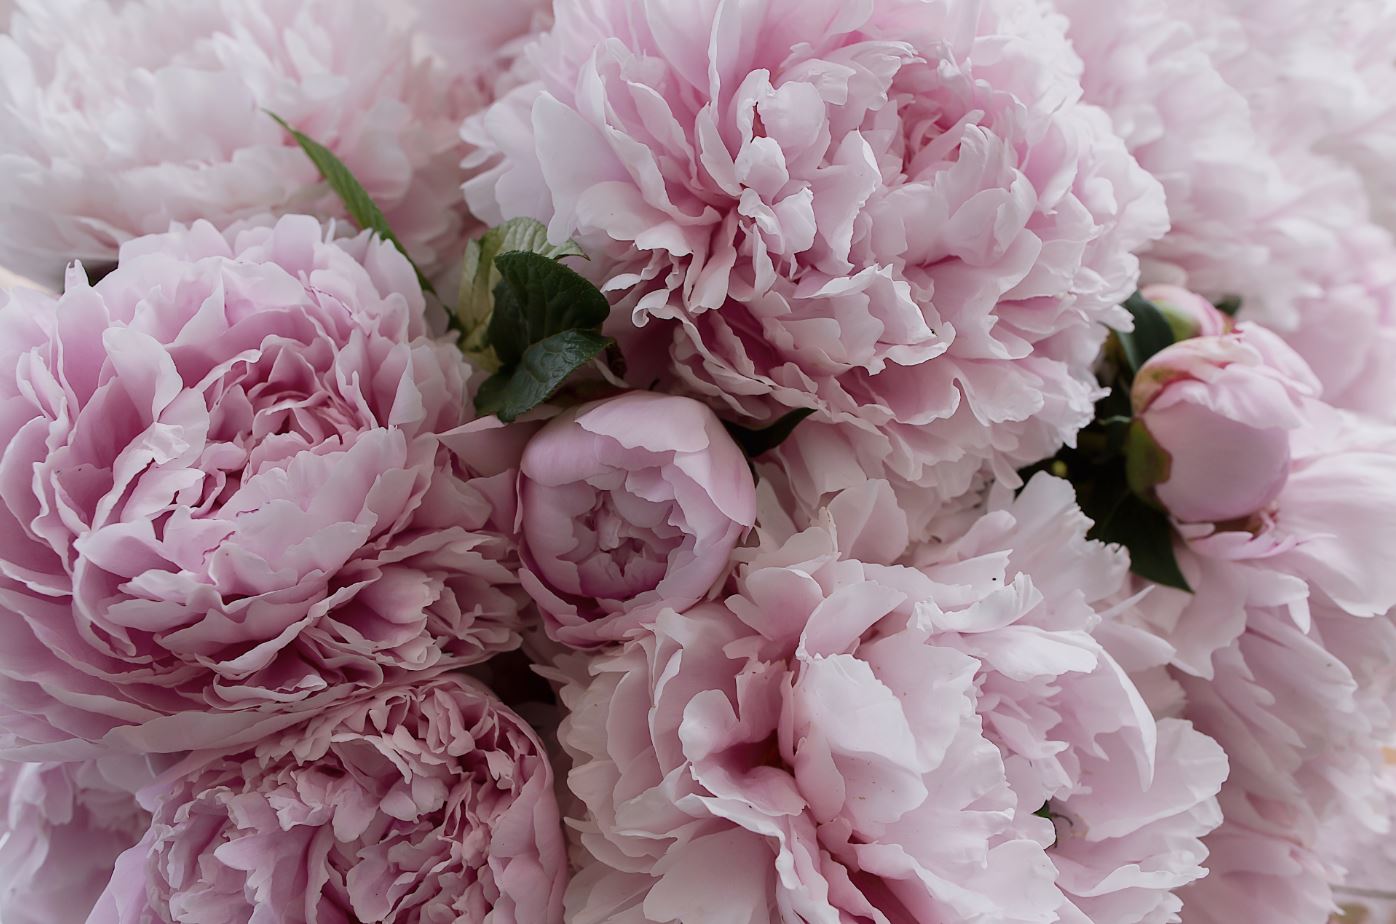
(1213, 416)
(628, 506)
(1188, 314)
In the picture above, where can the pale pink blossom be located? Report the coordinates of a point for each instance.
(239, 482)
(1283, 654)
(118, 118)
(62, 826)
(627, 506)
(895, 213)
(844, 738)
(427, 803)
(1253, 116)
(1213, 421)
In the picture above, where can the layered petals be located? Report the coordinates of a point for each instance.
(430, 803)
(63, 827)
(239, 483)
(117, 119)
(628, 506)
(845, 739)
(895, 214)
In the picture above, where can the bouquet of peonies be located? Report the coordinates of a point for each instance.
(697, 462)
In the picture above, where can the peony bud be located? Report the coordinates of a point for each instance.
(1188, 314)
(1213, 416)
(628, 506)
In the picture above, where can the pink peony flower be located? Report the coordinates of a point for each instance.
(1213, 419)
(62, 828)
(118, 118)
(1246, 111)
(894, 213)
(1283, 654)
(239, 483)
(430, 803)
(846, 739)
(627, 506)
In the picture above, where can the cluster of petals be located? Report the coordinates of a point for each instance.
(62, 826)
(117, 119)
(1295, 593)
(845, 738)
(239, 482)
(627, 506)
(427, 803)
(1259, 119)
(895, 213)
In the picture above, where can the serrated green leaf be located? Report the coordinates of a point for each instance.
(540, 371)
(357, 202)
(538, 298)
(528, 235)
(480, 276)
(1147, 534)
(1151, 333)
(757, 442)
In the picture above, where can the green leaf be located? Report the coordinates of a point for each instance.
(1047, 813)
(1151, 333)
(357, 202)
(756, 442)
(527, 235)
(1147, 534)
(1147, 464)
(536, 299)
(479, 277)
(540, 371)
(1229, 305)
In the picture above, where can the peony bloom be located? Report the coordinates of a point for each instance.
(846, 739)
(627, 506)
(894, 213)
(62, 826)
(1252, 116)
(1283, 654)
(430, 803)
(239, 482)
(118, 118)
(1213, 423)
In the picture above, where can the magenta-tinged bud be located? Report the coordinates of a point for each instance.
(1188, 314)
(1213, 416)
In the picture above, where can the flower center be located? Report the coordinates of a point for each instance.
(623, 544)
